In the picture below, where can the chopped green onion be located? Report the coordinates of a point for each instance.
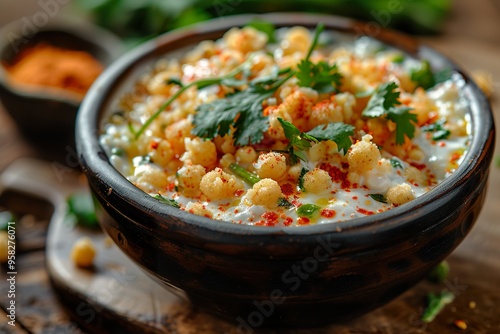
(244, 174)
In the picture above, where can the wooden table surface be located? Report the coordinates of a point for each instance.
(472, 39)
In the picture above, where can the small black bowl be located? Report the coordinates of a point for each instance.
(299, 276)
(46, 116)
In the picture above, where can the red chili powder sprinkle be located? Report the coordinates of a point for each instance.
(327, 213)
(455, 157)
(336, 174)
(418, 166)
(288, 221)
(303, 221)
(270, 216)
(364, 211)
(355, 198)
(171, 186)
(154, 145)
(239, 192)
(287, 189)
(442, 144)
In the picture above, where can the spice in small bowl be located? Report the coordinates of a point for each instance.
(46, 65)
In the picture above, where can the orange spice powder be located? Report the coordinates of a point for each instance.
(46, 65)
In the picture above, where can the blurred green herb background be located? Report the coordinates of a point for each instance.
(139, 20)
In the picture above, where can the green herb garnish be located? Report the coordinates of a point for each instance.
(244, 174)
(322, 77)
(384, 103)
(443, 75)
(167, 201)
(241, 111)
(396, 163)
(301, 141)
(379, 198)
(282, 202)
(117, 151)
(398, 59)
(81, 207)
(300, 182)
(438, 129)
(174, 81)
(423, 75)
(435, 304)
(264, 26)
(308, 210)
(439, 273)
(202, 83)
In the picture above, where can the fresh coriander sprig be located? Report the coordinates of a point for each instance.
(241, 111)
(298, 142)
(201, 83)
(438, 129)
(384, 103)
(322, 77)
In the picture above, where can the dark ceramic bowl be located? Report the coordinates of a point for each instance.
(48, 114)
(300, 276)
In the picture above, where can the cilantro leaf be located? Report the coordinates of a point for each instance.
(384, 98)
(338, 132)
(294, 135)
(440, 132)
(378, 197)
(264, 26)
(242, 110)
(300, 182)
(282, 202)
(322, 77)
(443, 75)
(301, 141)
(423, 75)
(384, 102)
(404, 120)
(396, 163)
